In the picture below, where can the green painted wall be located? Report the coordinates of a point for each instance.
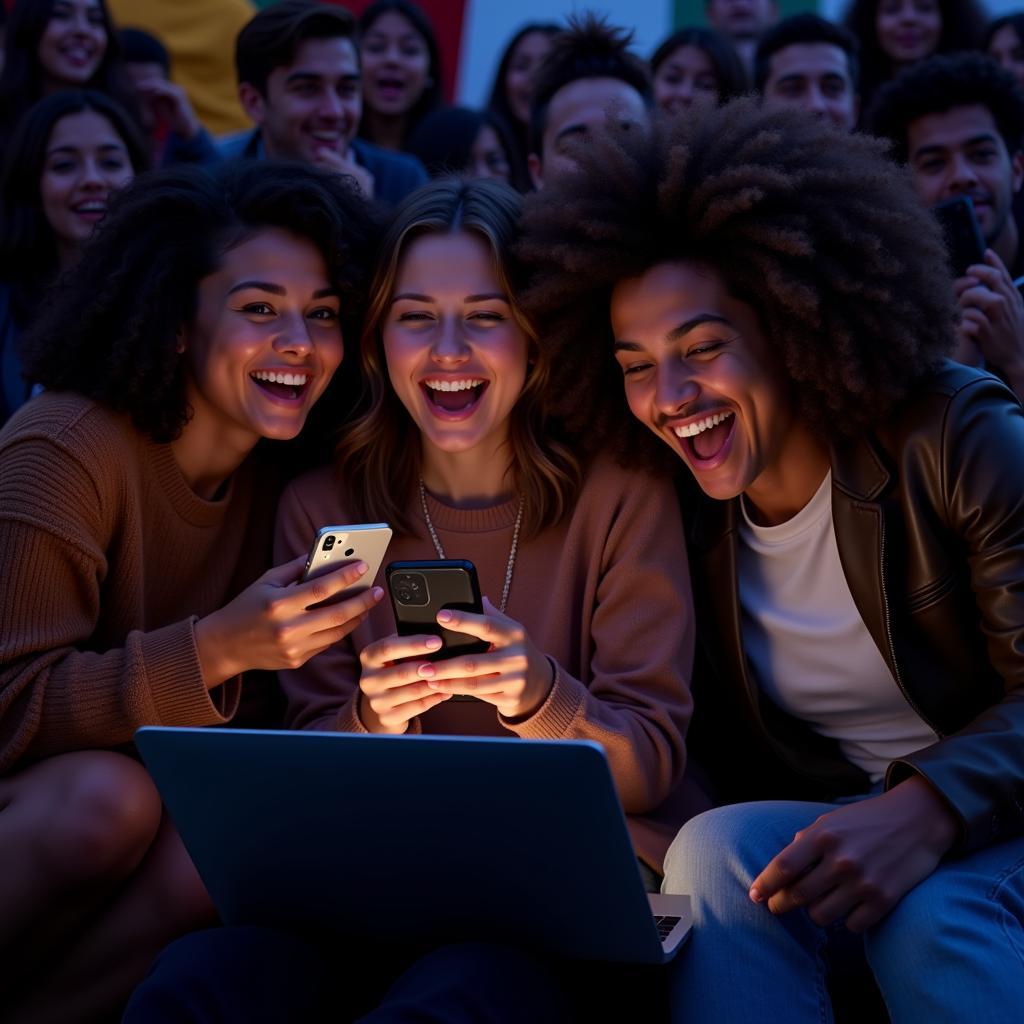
(691, 12)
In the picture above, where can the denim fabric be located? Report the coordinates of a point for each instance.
(251, 975)
(951, 951)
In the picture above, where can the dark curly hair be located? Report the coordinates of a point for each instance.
(588, 48)
(813, 227)
(110, 328)
(937, 85)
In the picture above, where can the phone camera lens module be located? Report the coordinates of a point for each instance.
(329, 543)
(410, 589)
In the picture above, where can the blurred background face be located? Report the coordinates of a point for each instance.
(741, 19)
(86, 160)
(396, 65)
(575, 112)
(908, 30)
(487, 158)
(73, 43)
(686, 77)
(814, 77)
(960, 152)
(1006, 50)
(311, 105)
(526, 58)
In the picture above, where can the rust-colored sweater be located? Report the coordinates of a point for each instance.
(606, 594)
(107, 557)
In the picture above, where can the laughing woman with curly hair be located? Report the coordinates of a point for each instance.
(136, 506)
(767, 297)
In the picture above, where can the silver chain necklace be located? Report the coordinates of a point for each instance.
(511, 551)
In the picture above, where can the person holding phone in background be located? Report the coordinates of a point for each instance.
(958, 123)
(136, 520)
(774, 320)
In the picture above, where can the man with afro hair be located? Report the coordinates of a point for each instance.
(958, 123)
(588, 79)
(765, 295)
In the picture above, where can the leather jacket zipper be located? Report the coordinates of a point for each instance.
(892, 646)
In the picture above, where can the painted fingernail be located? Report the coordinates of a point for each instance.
(432, 643)
(378, 593)
(426, 671)
(445, 616)
(755, 894)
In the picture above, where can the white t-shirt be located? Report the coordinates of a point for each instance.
(808, 647)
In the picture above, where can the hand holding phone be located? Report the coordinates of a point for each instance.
(964, 239)
(279, 622)
(419, 590)
(335, 546)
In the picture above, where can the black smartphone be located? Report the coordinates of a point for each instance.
(964, 239)
(419, 590)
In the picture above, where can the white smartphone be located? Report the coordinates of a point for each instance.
(335, 546)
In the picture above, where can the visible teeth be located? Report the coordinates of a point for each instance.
(692, 429)
(452, 385)
(296, 380)
(91, 207)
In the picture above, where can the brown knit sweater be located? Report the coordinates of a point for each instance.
(606, 594)
(106, 559)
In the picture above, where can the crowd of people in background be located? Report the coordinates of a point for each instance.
(711, 360)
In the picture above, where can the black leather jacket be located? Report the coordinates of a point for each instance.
(929, 520)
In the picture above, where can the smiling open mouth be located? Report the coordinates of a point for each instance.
(290, 386)
(454, 396)
(704, 439)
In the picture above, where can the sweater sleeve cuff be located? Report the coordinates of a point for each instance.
(554, 718)
(176, 682)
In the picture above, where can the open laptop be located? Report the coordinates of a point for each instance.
(420, 839)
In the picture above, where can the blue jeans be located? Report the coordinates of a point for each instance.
(952, 950)
(253, 975)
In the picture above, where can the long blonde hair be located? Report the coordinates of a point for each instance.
(379, 456)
